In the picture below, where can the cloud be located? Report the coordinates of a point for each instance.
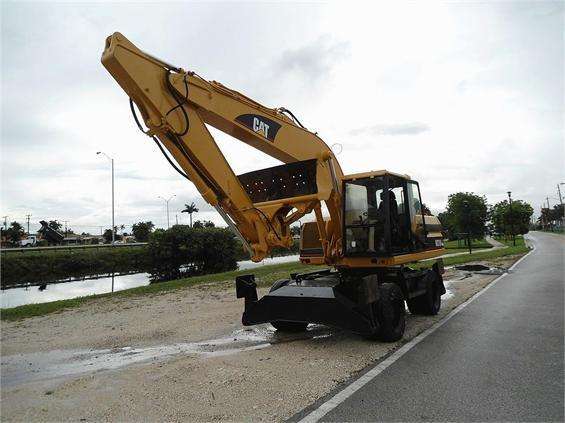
(410, 128)
(314, 60)
(137, 175)
(480, 75)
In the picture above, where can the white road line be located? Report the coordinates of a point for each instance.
(349, 390)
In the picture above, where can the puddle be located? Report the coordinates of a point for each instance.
(481, 269)
(472, 267)
(448, 293)
(23, 368)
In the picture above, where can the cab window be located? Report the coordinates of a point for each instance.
(364, 217)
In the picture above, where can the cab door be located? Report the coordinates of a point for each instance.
(417, 219)
(399, 216)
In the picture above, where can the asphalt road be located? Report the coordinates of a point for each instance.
(499, 359)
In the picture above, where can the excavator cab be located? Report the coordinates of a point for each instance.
(384, 223)
(383, 216)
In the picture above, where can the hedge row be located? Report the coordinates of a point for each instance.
(50, 266)
(184, 251)
(180, 251)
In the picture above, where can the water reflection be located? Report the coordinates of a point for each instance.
(43, 293)
(97, 284)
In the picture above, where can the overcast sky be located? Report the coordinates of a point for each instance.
(461, 96)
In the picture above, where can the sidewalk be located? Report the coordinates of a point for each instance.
(494, 242)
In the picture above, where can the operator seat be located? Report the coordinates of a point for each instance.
(393, 213)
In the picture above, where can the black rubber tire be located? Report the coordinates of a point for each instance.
(285, 326)
(390, 313)
(429, 303)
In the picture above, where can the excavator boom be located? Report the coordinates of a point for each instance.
(176, 107)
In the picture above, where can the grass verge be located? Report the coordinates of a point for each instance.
(489, 255)
(459, 245)
(265, 276)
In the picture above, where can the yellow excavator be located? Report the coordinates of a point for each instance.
(368, 226)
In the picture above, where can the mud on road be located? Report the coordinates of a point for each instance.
(183, 355)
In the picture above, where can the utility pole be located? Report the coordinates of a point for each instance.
(27, 218)
(511, 218)
(65, 222)
(177, 218)
(549, 214)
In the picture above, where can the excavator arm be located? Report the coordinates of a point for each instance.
(176, 107)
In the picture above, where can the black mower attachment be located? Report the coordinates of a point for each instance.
(370, 303)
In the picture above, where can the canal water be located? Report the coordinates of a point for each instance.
(73, 288)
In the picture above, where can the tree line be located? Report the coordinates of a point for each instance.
(180, 251)
(469, 213)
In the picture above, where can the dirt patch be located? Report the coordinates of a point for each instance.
(270, 382)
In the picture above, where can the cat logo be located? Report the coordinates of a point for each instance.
(261, 125)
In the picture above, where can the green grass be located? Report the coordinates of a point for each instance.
(457, 246)
(264, 275)
(520, 248)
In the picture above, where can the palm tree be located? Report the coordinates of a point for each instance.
(190, 208)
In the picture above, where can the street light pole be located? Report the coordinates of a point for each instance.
(167, 203)
(113, 225)
(467, 209)
(27, 218)
(511, 218)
